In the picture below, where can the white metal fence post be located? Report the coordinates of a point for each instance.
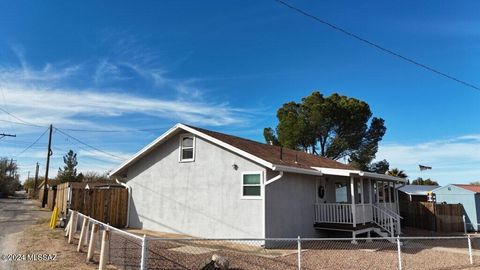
(464, 224)
(143, 262)
(299, 255)
(470, 249)
(399, 252)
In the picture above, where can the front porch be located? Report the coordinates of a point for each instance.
(357, 204)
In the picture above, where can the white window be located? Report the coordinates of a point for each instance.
(251, 185)
(187, 148)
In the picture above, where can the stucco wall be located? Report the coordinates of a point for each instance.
(289, 206)
(452, 195)
(200, 198)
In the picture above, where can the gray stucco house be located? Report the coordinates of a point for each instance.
(207, 184)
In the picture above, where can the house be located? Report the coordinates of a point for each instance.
(467, 195)
(207, 184)
(414, 193)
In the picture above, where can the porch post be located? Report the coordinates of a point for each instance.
(397, 207)
(384, 194)
(396, 199)
(362, 200)
(377, 191)
(389, 196)
(352, 194)
(370, 189)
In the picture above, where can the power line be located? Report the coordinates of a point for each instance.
(18, 118)
(28, 147)
(88, 130)
(375, 45)
(88, 145)
(21, 123)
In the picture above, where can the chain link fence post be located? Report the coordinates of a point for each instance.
(399, 252)
(470, 249)
(143, 261)
(299, 251)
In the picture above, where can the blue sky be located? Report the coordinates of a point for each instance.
(227, 66)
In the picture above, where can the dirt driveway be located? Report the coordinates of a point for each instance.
(16, 214)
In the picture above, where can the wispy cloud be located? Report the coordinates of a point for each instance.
(453, 160)
(34, 96)
(105, 99)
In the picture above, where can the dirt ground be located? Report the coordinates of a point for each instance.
(40, 239)
(125, 253)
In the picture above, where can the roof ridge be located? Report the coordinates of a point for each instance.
(303, 153)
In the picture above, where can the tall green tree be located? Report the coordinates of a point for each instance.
(397, 173)
(69, 171)
(9, 179)
(424, 182)
(335, 127)
(380, 167)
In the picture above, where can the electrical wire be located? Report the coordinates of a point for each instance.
(18, 118)
(28, 147)
(88, 130)
(88, 145)
(375, 45)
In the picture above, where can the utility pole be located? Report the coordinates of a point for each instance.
(7, 135)
(49, 153)
(36, 179)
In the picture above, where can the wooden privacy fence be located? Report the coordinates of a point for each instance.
(444, 218)
(51, 198)
(107, 203)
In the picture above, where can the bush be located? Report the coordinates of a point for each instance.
(8, 186)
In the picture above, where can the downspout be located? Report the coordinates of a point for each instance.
(129, 199)
(278, 177)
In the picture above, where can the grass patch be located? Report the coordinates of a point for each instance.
(42, 220)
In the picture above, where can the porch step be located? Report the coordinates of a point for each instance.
(384, 234)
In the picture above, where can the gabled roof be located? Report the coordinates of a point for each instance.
(417, 189)
(275, 154)
(473, 188)
(269, 156)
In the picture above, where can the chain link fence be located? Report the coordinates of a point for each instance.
(125, 250)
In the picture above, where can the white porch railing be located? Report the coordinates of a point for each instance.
(382, 216)
(333, 213)
(385, 220)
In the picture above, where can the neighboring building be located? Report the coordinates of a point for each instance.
(415, 193)
(467, 195)
(207, 184)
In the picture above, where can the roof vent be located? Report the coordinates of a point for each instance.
(270, 142)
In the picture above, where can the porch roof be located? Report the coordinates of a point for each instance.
(348, 173)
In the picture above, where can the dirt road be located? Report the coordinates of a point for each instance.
(15, 214)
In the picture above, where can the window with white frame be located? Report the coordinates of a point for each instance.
(251, 185)
(187, 148)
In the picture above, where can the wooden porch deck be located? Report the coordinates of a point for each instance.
(343, 227)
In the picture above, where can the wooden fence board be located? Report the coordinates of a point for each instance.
(434, 217)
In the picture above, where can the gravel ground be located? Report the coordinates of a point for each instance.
(125, 253)
(380, 254)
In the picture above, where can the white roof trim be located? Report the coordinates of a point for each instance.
(345, 172)
(296, 170)
(167, 134)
